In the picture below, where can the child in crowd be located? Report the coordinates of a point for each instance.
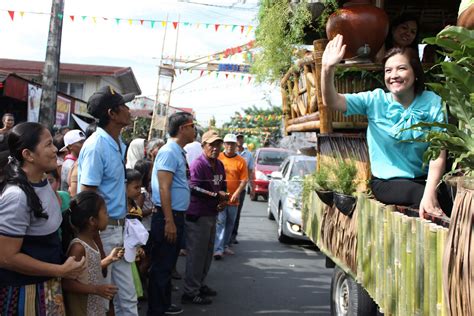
(86, 216)
(134, 184)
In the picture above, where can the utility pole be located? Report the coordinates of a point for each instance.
(47, 114)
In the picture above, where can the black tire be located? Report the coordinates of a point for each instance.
(269, 213)
(280, 234)
(348, 297)
(253, 196)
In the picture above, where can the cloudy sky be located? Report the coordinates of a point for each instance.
(139, 46)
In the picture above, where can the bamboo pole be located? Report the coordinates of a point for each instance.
(326, 122)
(303, 119)
(411, 259)
(426, 274)
(441, 241)
(403, 267)
(433, 289)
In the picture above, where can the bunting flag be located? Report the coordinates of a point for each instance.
(140, 21)
(259, 117)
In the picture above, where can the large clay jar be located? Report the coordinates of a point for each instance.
(363, 26)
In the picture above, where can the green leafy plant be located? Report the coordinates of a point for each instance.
(322, 179)
(280, 28)
(456, 87)
(345, 177)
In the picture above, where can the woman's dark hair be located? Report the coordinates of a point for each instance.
(396, 22)
(176, 120)
(23, 136)
(414, 63)
(133, 175)
(84, 205)
(143, 166)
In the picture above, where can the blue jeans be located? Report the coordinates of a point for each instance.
(163, 259)
(120, 274)
(224, 227)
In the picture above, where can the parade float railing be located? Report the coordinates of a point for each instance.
(397, 258)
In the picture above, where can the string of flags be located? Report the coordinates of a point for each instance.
(142, 22)
(260, 117)
(254, 130)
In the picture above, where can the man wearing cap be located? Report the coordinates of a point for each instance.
(236, 179)
(244, 153)
(171, 196)
(208, 190)
(101, 168)
(73, 141)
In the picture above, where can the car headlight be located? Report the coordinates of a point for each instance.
(260, 176)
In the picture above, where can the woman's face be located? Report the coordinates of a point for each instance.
(404, 34)
(44, 155)
(399, 75)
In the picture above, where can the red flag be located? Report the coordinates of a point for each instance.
(12, 14)
(141, 22)
(175, 25)
(226, 76)
(202, 72)
(242, 28)
(72, 18)
(216, 26)
(249, 78)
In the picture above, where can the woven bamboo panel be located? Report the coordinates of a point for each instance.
(398, 259)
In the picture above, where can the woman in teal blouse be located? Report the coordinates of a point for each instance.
(398, 176)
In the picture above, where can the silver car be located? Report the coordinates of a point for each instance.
(285, 196)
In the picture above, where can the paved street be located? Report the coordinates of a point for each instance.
(264, 277)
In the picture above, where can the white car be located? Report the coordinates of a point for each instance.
(285, 196)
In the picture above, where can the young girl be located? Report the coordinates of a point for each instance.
(30, 252)
(134, 184)
(86, 216)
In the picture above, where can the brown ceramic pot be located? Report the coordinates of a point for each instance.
(363, 26)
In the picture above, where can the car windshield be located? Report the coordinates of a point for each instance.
(302, 168)
(272, 158)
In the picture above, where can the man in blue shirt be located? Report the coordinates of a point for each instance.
(171, 196)
(101, 168)
(247, 155)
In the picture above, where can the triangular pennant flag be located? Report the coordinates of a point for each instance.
(12, 14)
(202, 72)
(249, 78)
(141, 22)
(163, 23)
(242, 28)
(117, 20)
(60, 16)
(175, 25)
(94, 20)
(233, 27)
(105, 19)
(226, 76)
(233, 76)
(22, 13)
(72, 18)
(242, 77)
(186, 23)
(217, 74)
(130, 21)
(152, 24)
(207, 25)
(198, 25)
(249, 29)
(84, 18)
(216, 26)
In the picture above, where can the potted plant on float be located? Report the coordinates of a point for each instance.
(323, 184)
(345, 186)
(456, 87)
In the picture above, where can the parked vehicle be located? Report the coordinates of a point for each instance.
(285, 193)
(267, 160)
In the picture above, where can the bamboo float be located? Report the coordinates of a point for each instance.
(307, 118)
(396, 258)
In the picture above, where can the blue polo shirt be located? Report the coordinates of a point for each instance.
(247, 155)
(171, 157)
(101, 164)
(389, 157)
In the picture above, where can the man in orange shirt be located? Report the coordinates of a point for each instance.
(236, 177)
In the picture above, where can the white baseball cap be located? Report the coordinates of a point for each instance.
(230, 138)
(134, 235)
(72, 137)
